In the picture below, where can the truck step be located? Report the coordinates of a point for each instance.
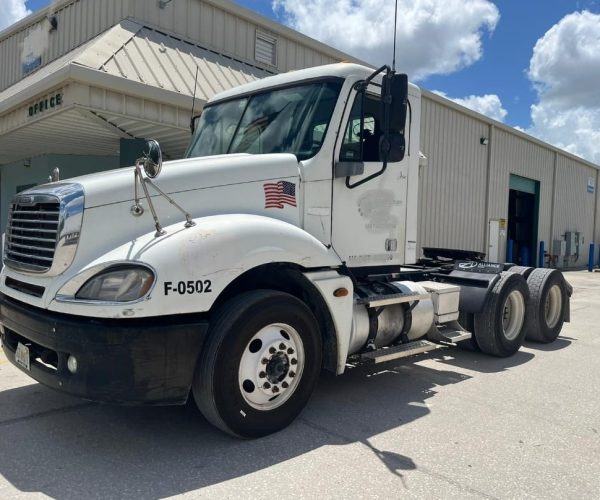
(399, 351)
(452, 335)
(392, 298)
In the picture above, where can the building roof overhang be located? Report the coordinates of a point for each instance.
(129, 82)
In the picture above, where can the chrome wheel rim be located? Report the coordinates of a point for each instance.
(513, 315)
(271, 366)
(553, 306)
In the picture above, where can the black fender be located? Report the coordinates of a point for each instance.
(474, 288)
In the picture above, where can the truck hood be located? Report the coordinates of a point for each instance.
(179, 176)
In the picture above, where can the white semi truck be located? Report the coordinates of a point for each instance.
(283, 243)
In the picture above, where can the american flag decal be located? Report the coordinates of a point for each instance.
(280, 193)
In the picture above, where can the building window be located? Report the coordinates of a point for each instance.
(265, 50)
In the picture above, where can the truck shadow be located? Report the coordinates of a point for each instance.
(479, 362)
(72, 449)
(557, 345)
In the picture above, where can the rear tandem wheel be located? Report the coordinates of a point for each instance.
(500, 328)
(549, 300)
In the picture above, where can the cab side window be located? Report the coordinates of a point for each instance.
(351, 147)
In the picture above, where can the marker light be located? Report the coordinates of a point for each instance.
(72, 364)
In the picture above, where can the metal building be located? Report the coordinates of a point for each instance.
(84, 82)
(487, 184)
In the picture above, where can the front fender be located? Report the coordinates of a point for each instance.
(210, 255)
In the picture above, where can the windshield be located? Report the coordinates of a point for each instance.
(288, 120)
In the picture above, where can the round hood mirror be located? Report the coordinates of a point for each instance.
(152, 159)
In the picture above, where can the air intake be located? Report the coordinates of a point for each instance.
(32, 232)
(43, 229)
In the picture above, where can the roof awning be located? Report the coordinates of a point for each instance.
(129, 82)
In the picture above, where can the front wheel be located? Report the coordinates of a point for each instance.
(260, 364)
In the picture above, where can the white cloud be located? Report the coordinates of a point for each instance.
(565, 70)
(488, 104)
(11, 11)
(434, 36)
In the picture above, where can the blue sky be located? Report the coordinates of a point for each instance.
(533, 64)
(503, 68)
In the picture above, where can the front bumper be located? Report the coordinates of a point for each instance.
(124, 361)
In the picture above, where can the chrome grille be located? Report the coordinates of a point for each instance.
(44, 224)
(32, 232)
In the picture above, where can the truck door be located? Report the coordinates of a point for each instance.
(369, 220)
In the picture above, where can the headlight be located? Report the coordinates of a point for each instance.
(121, 284)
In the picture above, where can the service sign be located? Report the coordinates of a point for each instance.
(478, 267)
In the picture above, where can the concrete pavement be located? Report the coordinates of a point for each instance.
(452, 424)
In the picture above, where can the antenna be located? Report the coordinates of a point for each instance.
(194, 100)
(395, 25)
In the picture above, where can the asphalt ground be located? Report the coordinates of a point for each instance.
(451, 424)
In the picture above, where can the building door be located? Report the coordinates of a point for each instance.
(523, 215)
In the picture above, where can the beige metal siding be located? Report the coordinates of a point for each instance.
(573, 205)
(452, 194)
(140, 117)
(597, 216)
(78, 22)
(215, 27)
(512, 154)
(461, 189)
(169, 63)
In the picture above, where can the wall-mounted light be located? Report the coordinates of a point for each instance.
(27, 162)
(163, 3)
(484, 141)
(52, 23)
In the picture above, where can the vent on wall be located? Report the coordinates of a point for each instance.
(265, 48)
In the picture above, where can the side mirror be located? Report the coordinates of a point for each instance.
(395, 147)
(152, 159)
(399, 91)
(394, 93)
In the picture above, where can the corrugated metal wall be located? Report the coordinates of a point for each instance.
(597, 213)
(169, 63)
(466, 184)
(78, 21)
(215, 27)
(573, 205)
(452, 194)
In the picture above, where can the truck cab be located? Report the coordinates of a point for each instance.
(283, 243)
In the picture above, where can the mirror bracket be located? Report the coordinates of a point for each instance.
(151, 164)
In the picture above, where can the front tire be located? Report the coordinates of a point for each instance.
(260, 363)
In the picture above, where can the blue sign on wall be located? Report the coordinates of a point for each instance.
(30, 63)
(591, 185)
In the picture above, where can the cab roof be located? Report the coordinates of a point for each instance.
(339, 70)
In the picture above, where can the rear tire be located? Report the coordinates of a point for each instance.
(500, 327)
(549, 298)
(260, 363)
(467, 321)
(522, 270)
